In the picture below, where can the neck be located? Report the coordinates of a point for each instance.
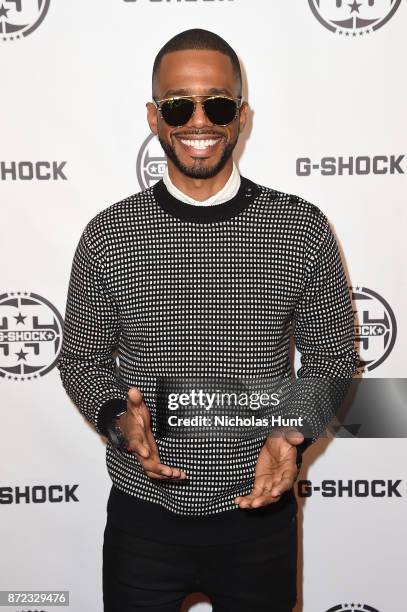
(200, 189)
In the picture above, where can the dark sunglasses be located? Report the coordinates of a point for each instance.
(178, 110)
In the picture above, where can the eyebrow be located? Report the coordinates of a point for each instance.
(188, 92)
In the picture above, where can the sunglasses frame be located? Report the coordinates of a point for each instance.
(239, 101)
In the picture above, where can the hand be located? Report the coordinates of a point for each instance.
(276, 469)
(136, 427)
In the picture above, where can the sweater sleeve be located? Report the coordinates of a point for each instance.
(91, 334)
(323, 331)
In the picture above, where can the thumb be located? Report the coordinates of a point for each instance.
(294, 437)
(135, 395)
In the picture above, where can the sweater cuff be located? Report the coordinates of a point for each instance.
(108, 411)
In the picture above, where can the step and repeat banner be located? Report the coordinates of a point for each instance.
(326, 84)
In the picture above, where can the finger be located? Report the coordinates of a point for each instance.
(259, 492)
(160, 469)
(255, 492)
(135, 396)
(156, 476)
(165, 477)
(259, 496)
(257, 501)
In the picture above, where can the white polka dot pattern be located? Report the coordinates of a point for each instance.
(220, 298)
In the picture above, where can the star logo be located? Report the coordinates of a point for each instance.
(21, 355)
(354, 7)
(3, 11)
(19, 318)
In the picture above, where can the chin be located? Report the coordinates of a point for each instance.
(196, 169)
(202, 167)
(202, 170)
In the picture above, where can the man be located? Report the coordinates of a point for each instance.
(199, 283)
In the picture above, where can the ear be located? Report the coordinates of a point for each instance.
(243, 115)
(152, 117)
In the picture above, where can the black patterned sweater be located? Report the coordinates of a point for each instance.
(191, 293)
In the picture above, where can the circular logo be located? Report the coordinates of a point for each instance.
(151, 162)
(30, 335)
(352, 607)
(353, 18)
(19, 18)
(375, 327)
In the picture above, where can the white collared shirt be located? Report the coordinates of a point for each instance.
(228, 191)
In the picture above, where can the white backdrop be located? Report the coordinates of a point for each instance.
(73, 141)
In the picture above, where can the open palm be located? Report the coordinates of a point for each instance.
(276, 470)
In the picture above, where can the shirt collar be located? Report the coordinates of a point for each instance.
(247, 194)
(228, 191)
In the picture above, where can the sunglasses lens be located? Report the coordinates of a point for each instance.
(177, 112)
(220, 111)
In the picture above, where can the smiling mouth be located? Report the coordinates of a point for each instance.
(199, 147)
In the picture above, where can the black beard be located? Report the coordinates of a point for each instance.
(198, 172)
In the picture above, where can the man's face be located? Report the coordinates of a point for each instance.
(196, 72)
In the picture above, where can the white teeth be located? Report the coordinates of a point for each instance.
(199, 144)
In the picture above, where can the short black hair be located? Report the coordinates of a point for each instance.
(196, 38)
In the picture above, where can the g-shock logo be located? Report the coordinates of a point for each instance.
(151, 162)
(375, 327)
(30, 336)
(353, 18)
(19, 18)
(32, 171)
(351, 165)
(39, 494)
(350, 488)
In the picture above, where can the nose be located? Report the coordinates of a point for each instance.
(199, 118)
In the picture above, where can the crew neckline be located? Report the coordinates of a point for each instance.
(228, 191)
(248, 191)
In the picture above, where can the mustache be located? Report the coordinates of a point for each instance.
(199, 133)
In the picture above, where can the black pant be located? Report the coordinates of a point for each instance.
(256, 575)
